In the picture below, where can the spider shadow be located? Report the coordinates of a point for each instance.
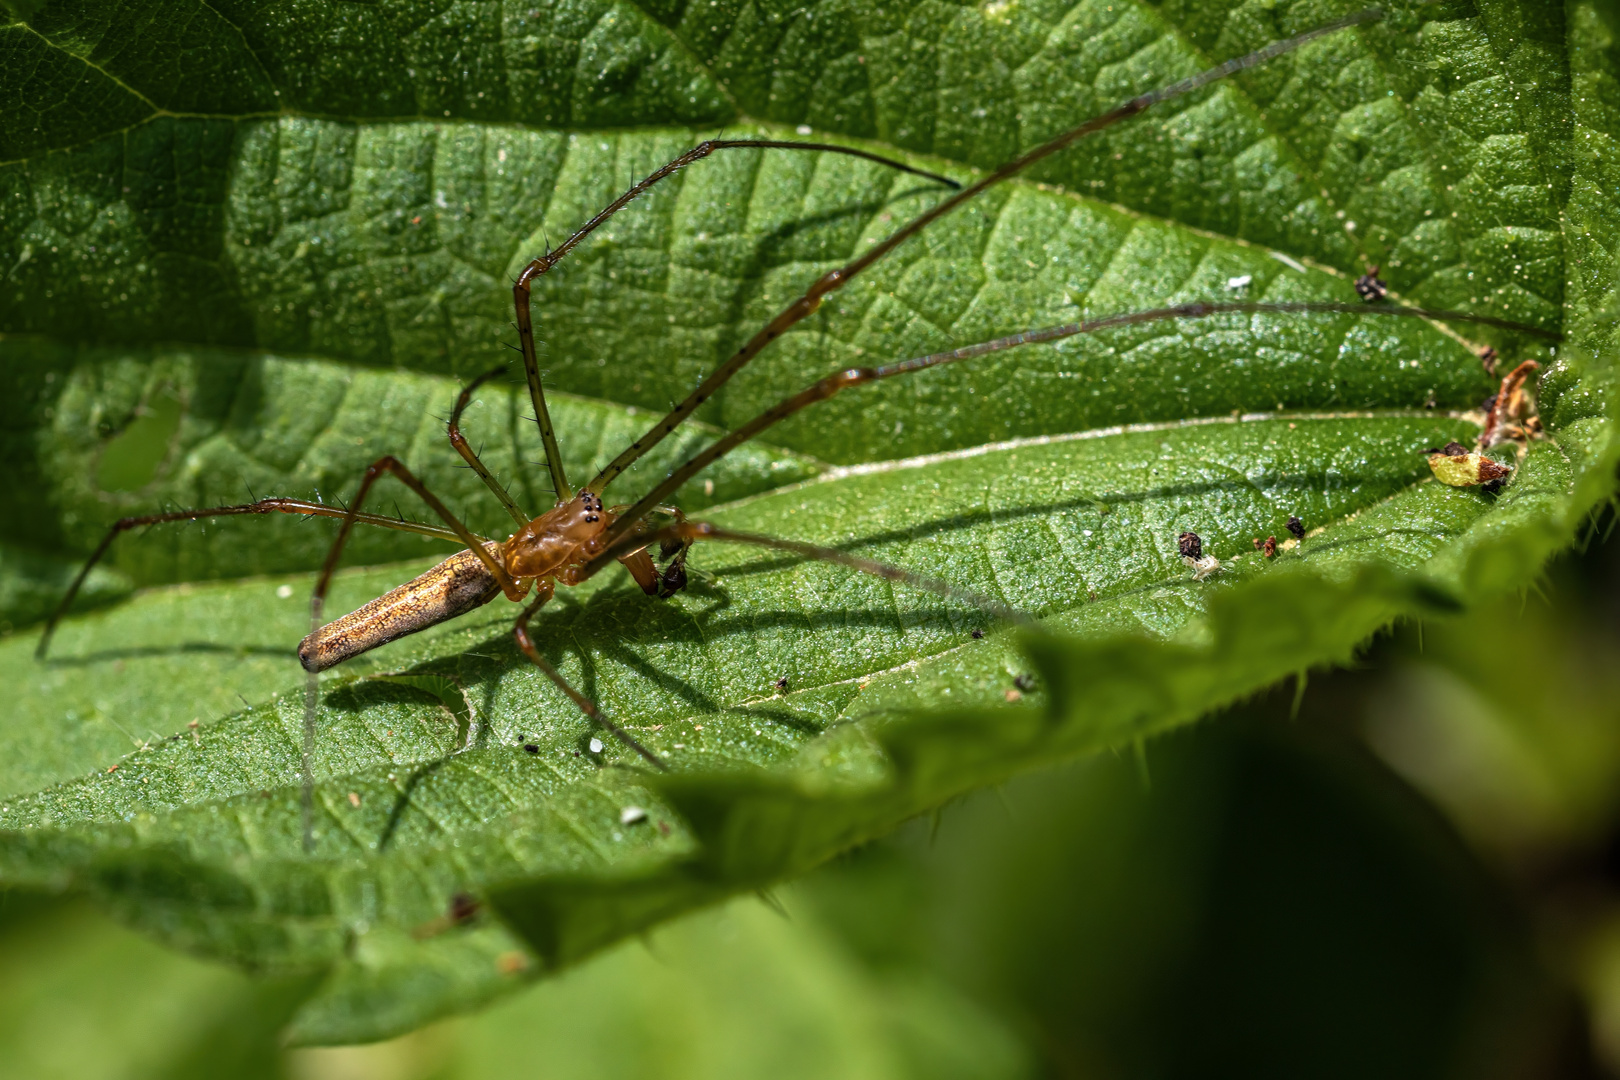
(964, 521)
(364, 693)
(593, 631)
(402, 801)
(144, 652)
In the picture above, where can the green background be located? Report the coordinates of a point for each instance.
(250, 246)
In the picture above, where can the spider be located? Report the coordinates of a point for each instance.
(581, 535)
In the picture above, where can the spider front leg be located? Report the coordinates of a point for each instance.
(459, 441)
(521, 288)
(840, 381)
(811, 299)
(520, 631)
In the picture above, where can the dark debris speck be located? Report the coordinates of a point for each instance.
(1370, 288)
(463, 907)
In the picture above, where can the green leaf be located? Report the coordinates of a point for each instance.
(83, 997)
(261, 267)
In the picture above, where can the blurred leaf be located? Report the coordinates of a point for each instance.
(1526, 766)
(261, 282)
(739, 992)
(1257, 898)
(82, 997)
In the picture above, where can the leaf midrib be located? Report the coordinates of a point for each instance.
(923, 657)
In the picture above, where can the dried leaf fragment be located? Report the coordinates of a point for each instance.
(1457, 466)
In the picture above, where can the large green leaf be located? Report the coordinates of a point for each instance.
(250, 247)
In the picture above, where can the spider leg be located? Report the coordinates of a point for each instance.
(262, 506)
(459, 441)
(520, 631)
(833, 280)
(544, 263)
(843, 380)
(390, 464)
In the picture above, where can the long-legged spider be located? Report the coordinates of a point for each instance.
(580, 535)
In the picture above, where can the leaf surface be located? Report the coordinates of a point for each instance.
(260, 269)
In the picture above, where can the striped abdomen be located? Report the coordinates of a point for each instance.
(454, 587)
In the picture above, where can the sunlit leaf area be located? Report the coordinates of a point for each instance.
(1243, 730)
